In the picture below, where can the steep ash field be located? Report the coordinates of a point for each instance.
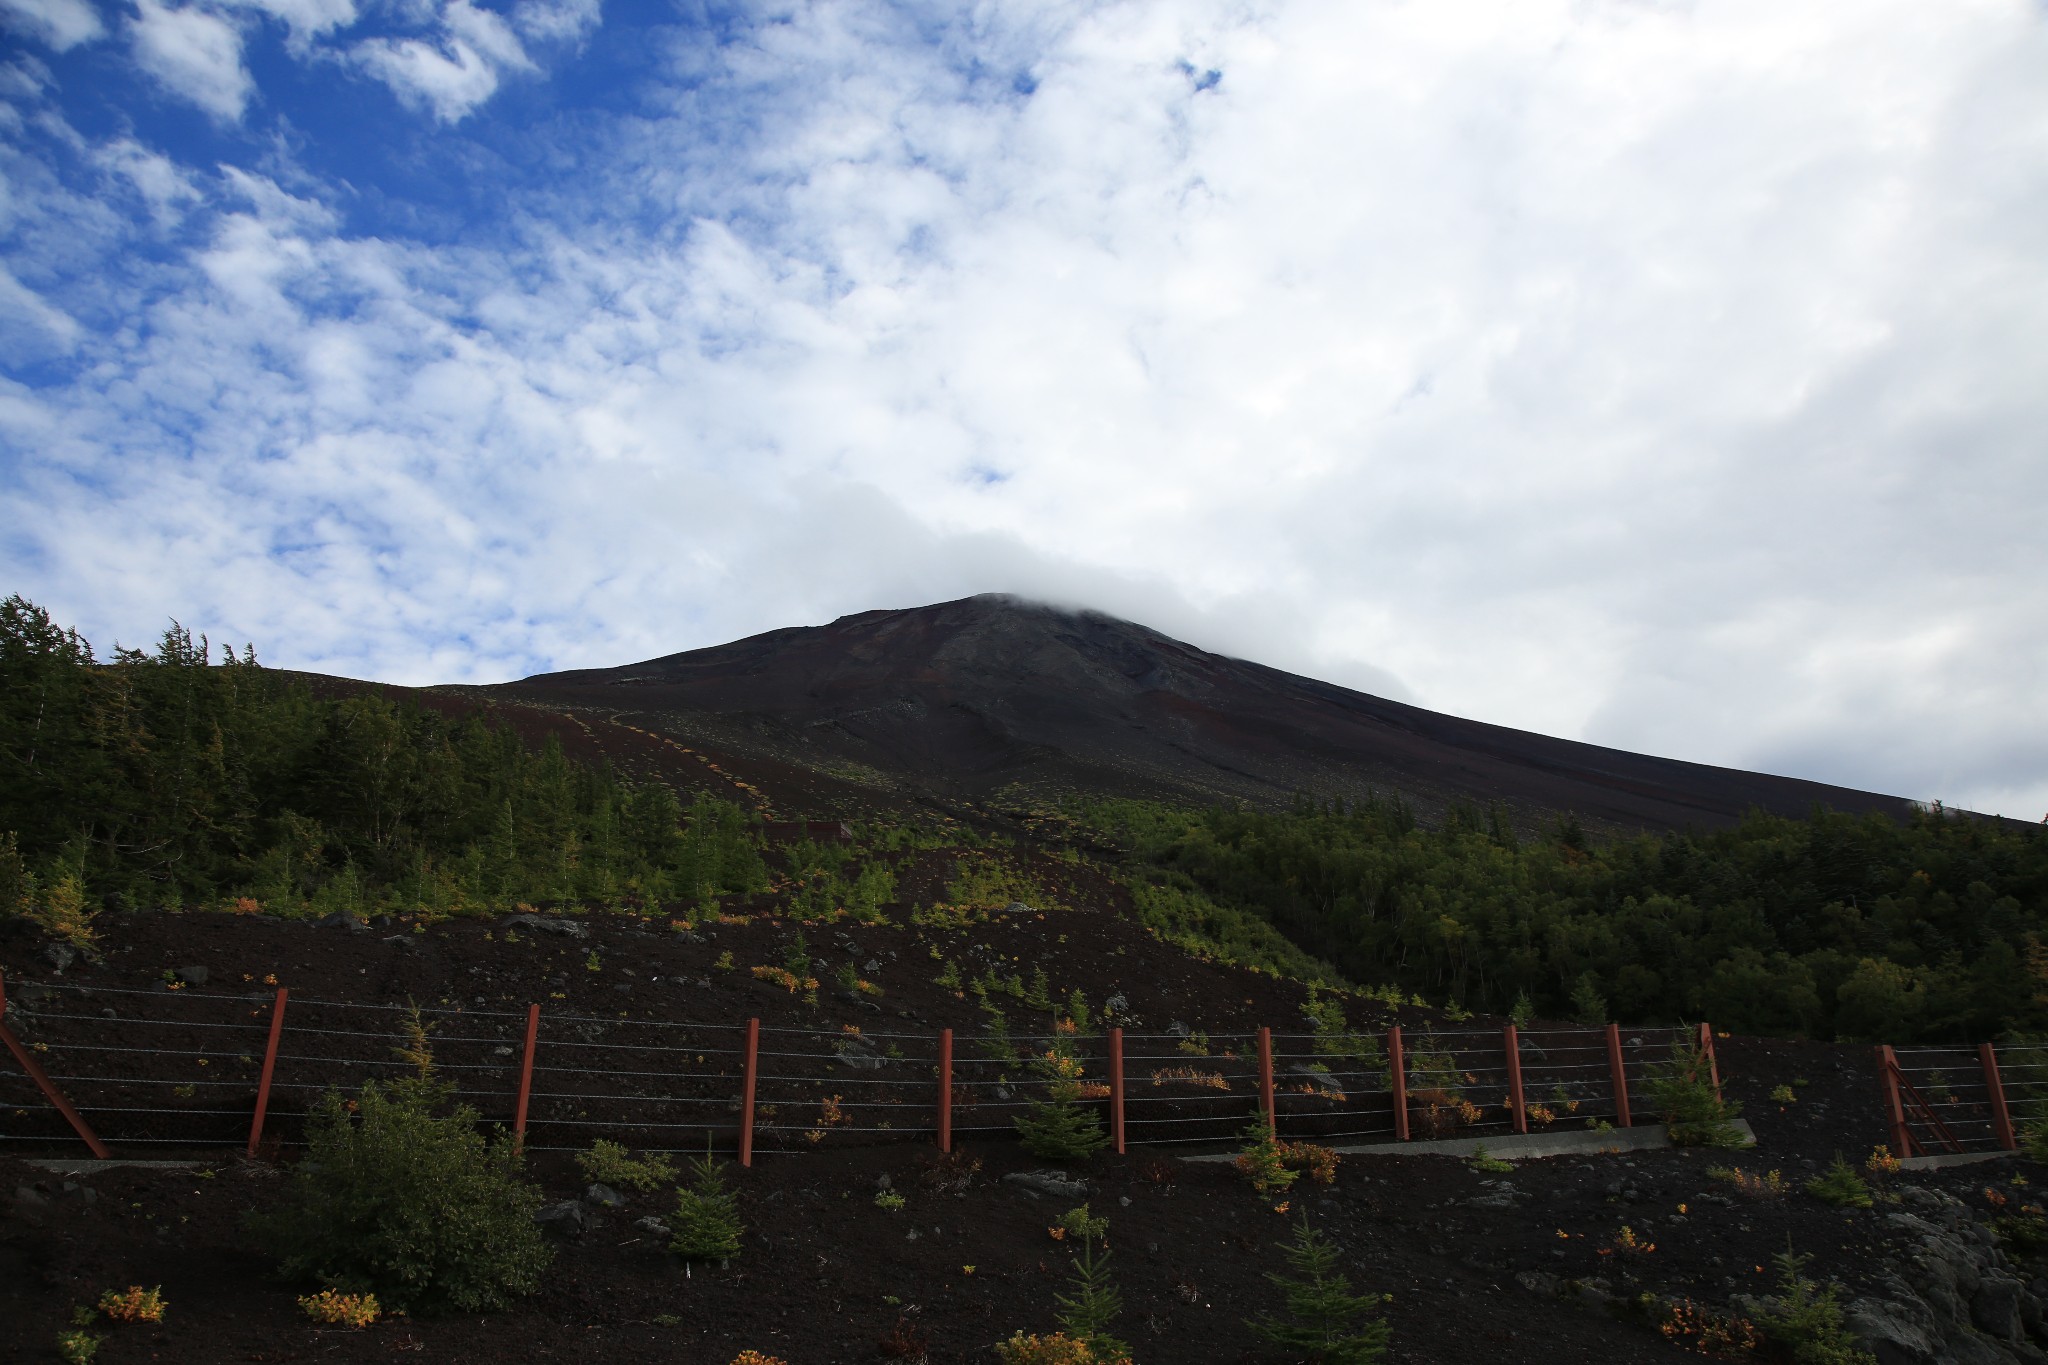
(974, 696)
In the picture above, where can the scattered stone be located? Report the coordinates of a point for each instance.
(570, 1218)
(859, 1055)
(653, 1227)
(192, 976)
(1495, 1194)
(1054, 1183)
(60, 956)
(339, 920)
(560, 928)
(604, 1197)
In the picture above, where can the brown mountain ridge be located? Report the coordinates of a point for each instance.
(970, 698)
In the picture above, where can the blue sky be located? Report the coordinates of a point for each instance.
(1662, 373)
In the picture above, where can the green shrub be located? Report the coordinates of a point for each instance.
(707, 1221)
(1263, 1161)
(78, 1347)
(1085, 1315)
(401, 1196)
(1082, 1225)
(1059, 1127)
(1806, 1320)
(1322, 1320)
(609, 1163)
(1682, 1089)
(1840, 1186)
(1491, 1164)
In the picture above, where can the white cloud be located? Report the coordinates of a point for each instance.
(454, 73)
(557, 21)
(1661, 376)
(305, 20)
(165, 186)
(63, 24)
(195, 54)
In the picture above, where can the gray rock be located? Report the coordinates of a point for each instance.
(338, 920)
(1995, 1308)
(1495, 1194)
(653, 1227)
(1054, 1183)
(604, 1197)
(570, 1218)
(1018, 908)
(859, 1055)
(193, 976)
(1538, 1282)
(59, 956)
(1897, 1332)
(560, 928)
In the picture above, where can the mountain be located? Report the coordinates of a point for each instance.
(971, 697)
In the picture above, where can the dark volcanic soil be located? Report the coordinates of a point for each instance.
(991, 692)
(826, 1274)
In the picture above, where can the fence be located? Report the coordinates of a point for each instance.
(1954, 1099)
(188, 1069)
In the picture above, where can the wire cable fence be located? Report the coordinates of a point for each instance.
(1954, 1099)
(194, 1069)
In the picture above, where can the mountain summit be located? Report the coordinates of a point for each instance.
(986, 692)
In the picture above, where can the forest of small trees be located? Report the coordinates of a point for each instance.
(1858, 927)
(169, 779)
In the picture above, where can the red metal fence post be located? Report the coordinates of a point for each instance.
(1894, 1109)
(1511, 1040)
(1397, 1073)
(1713, 1066)
(1116, 1088)
(269, 1066)
(44, 1084)
(1266, 1079)
(945, 1090)
(525, 1075)
(1620, 1072)
(747, 1095)
(2001, 1117)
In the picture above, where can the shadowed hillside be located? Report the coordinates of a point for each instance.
(976, 695)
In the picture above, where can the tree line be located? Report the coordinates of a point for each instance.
(1856, 927)
(173, 779)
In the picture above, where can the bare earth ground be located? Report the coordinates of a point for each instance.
(826, 1274)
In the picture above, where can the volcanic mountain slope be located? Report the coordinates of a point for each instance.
(971, 697)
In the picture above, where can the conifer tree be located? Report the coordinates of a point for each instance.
(707, 1221)
(1085, 1315)
(1324, 1321)
(1059, 1127)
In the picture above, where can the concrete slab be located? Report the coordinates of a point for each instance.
(1519, 1147)
(1938, 1160)
(93, 1166)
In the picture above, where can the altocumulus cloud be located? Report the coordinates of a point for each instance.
(1659, 375)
